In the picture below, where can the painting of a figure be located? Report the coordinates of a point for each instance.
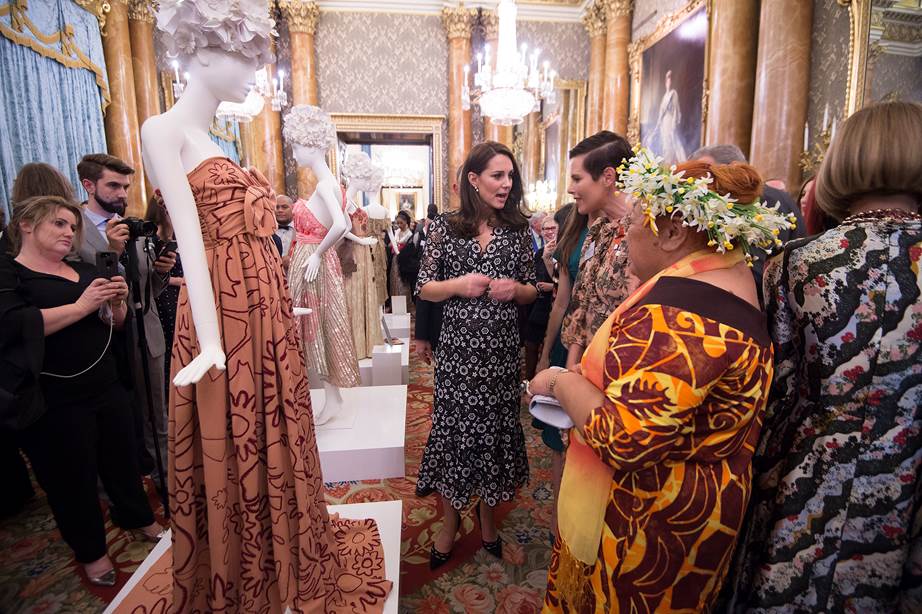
(672, 88)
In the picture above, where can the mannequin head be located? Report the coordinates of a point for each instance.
(309, 131)
(227, 75)
(358, 170)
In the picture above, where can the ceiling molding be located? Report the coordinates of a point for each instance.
(539, 11)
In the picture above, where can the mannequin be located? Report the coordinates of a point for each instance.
(315, 274)
(378, 225)
(243, 462)
(361, 295)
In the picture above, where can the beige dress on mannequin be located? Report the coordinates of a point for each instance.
(377, 229)
(361, 292)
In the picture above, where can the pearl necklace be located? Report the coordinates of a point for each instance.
(876, 214)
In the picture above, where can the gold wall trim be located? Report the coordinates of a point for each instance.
(69, 54)
(859, 27)
(433, 125)
(99, 8)
(635, 53)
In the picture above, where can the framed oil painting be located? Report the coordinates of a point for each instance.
(669, 84)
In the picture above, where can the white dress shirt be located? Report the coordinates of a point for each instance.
(286, 235)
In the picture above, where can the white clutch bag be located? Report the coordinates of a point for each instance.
(549, 411)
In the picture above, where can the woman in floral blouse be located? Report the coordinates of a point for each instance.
(835, 519)
(604, 280)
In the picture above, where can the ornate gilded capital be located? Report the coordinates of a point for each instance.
(141, 10)
(594, 20)
(458, 21)
(99, 8)
(490, 21)
(616, 8)
(301, 15)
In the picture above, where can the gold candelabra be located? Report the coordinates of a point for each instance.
(810, 159)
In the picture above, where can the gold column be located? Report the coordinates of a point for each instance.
(121, 121)
(491, 131)
(302, 17)
(267, 133)
(732, 72)
(457, 23)
(532, 148)
(594, 20)
(617, 68)
(781, 90)
(143, 63)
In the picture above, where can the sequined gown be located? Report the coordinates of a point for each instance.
(251, 532)
(325, 332)
(377, 229)
(361, 294)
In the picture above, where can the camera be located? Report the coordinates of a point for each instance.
(139, 228)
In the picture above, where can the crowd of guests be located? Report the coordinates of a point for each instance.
(747, 421)
(747, 425)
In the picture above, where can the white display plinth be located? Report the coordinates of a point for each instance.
(373, 448)
(385, 368)
(398, 324)
(398, 305)
(386, 514)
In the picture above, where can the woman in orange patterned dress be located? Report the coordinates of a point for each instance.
(668, 406)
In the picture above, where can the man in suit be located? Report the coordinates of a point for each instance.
(106, 180)
(534, 228)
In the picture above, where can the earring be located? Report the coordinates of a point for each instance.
(476, 189)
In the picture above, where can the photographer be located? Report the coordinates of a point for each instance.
(106, 180)
(81, 433)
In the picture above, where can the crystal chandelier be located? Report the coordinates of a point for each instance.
(516, 86)
(542, 196)
(276, 93)
(253, 105)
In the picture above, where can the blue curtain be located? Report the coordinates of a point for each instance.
(48, 111)
(228, 147)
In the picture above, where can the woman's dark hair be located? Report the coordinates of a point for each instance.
(39, 179)
(406, 216)
(603, 149)
(466, 221)
(568, 235)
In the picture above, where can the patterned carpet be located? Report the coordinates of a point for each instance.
(38, 575)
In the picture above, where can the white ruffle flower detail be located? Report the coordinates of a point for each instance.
(309, 126)
(237, 26)
(728, 223)
(358, 169)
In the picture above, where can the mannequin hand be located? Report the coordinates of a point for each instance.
(313, 267)
(472, 285)
(200, 365)
(503, 290)
(367, 241)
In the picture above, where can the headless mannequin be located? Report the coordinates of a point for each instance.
(172, 145)
(326, 205)
(375, 211)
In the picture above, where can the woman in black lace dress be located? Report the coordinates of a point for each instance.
(479, 260)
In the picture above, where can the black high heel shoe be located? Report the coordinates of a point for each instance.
(494, 547)
(437, 558)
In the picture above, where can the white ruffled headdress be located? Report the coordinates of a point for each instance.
(238, 26)
(309, 126)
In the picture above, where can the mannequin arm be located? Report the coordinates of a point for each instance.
(361, 240)
(164, 166)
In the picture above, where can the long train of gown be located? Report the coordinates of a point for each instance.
(251, 532)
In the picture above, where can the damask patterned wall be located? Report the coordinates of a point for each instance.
(894, 77)
(565, 45)
(382, 63)
(828, 63)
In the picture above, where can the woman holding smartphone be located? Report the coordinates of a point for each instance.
(167, 300)
(81, 435)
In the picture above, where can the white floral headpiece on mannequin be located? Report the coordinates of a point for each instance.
(309, 126)
(358, 169)
(238, 26)
(376, 180)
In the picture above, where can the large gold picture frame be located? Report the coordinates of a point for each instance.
(635, 57)
(433, 125)
(571, 121)
(859, 18)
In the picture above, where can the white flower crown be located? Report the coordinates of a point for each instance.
(309, 126)
(727, 222)
(239, 26)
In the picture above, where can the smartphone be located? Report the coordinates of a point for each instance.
(168, 246)
(106, 264)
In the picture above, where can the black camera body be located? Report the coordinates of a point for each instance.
(139, 228)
